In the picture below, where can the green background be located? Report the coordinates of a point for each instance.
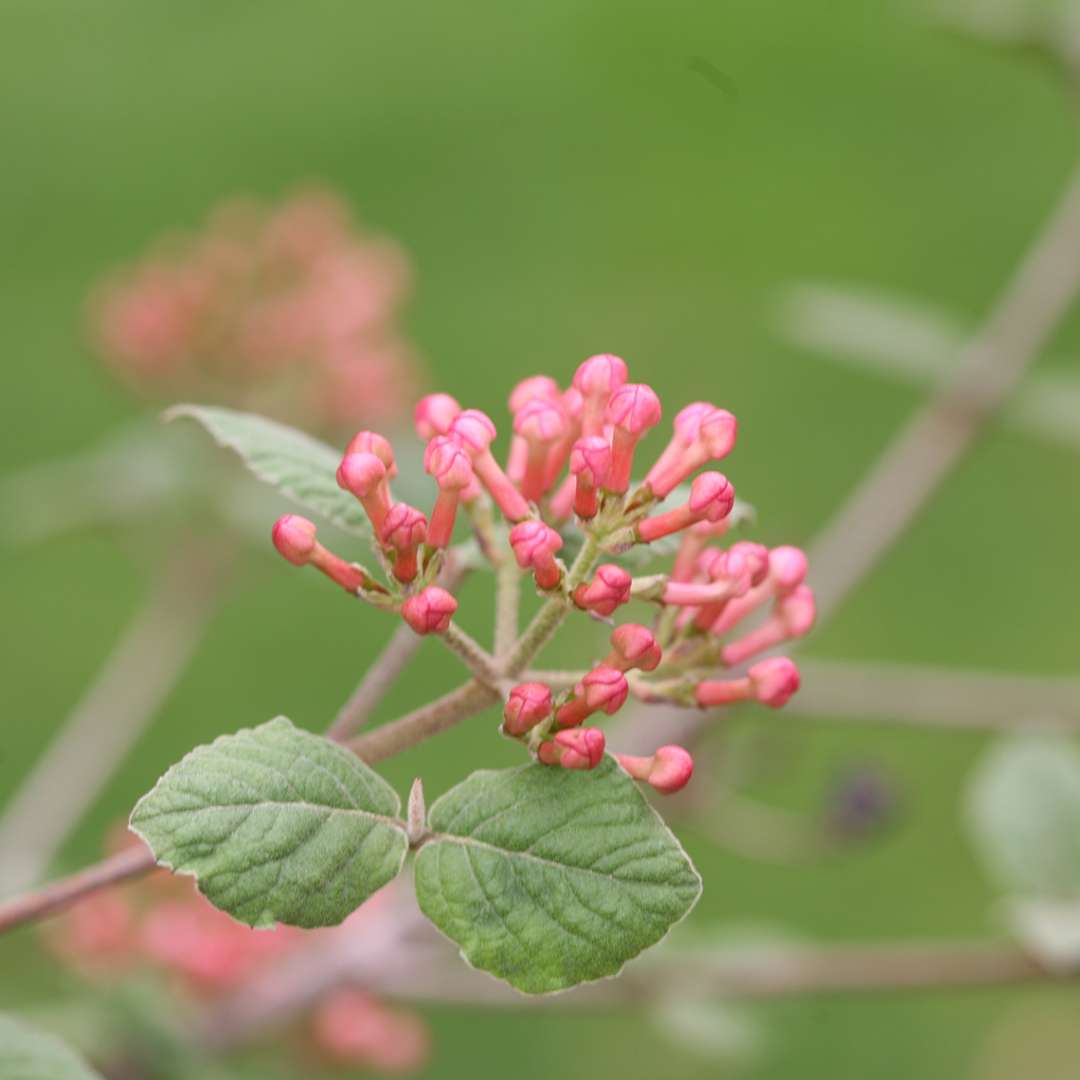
(567, 183)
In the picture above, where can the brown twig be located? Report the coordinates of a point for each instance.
(137, 677)
(32, 906)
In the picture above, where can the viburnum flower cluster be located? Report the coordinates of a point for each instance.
(164, 926)
(568, 484)
(288, 308)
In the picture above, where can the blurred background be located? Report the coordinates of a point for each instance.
(566, 179)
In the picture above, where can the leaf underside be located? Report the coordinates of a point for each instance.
(548, 878)
(29, 1054)
(298, 465)
(277, 825)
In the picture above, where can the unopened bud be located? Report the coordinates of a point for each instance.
(526, 706)
(429, 611)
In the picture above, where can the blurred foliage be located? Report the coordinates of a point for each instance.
(569, 179)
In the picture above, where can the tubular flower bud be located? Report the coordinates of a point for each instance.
(370, 442)
(542, 425)
(294, 537)
(434, 414)
(632, 410)
(596, 380)
(711, 499)
(668, 770)
(475, 431)
(404, 530)
(728, 576)
(571, 408)
(527, 705)
(365, 476)
(774, 681)
(429, 611)
(603, 689)
(535, 545)
(702, 434)
(590, 465)
(609, 589)
(633, 646)
(792, 617)
(786, 571)
(581, 748)
(535, 387)
(771, 682)
(757, 560)
(449, 463)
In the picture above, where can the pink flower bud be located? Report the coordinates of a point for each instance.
(353, 1028)
(702, 434)
(603, 689)
(632, 410)
(429, 611)
(633, 646)
(757, 558)
(527, 705)
(590, 463)
(581, 748)
(294, 537)
(792, 617)
(609, 589)
(370, 442)
(434, 414)
(404, 530)
(711, 499)
(774, 681)
(542, 425)
(365, 476)
(786, 571)
(533, 388)
(449, 463)
(668, 770)
(535, 545)
(596, 380)
(476, 431)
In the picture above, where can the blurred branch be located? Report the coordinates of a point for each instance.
(887, 500)
(135, 680)
(960, 699)
(50, 899)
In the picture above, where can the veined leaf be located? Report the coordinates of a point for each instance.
(299, 466)
(276, 825)
(548, 878)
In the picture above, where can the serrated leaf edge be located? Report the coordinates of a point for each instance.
(434, 837)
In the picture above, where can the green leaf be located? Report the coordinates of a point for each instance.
(276, 825)
(1024, 811)
(299, 466)
(29, 1054)
(548, 878)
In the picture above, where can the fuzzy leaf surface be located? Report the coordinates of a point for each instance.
(26, 1053)
(548, 877)
(276, 825)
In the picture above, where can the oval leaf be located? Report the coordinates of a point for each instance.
(299, 466)
(29, 1054)
(548, 878)
(276, 825)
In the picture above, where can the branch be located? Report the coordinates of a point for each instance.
(886, 501)
(378, 679)
(130, 688)
(507, 600)
(476, 658)
(431, 719)
(131, 863)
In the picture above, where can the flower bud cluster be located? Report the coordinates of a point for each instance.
(569, 470)
(288, 308)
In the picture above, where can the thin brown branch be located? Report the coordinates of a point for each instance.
(914, 465)
(507, 602)
(431, 719)
(130, 688)
(474, 656)
(378, 679)
(50, 899)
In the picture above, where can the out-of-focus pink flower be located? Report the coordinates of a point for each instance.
(286, 308)
(354, 1028)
